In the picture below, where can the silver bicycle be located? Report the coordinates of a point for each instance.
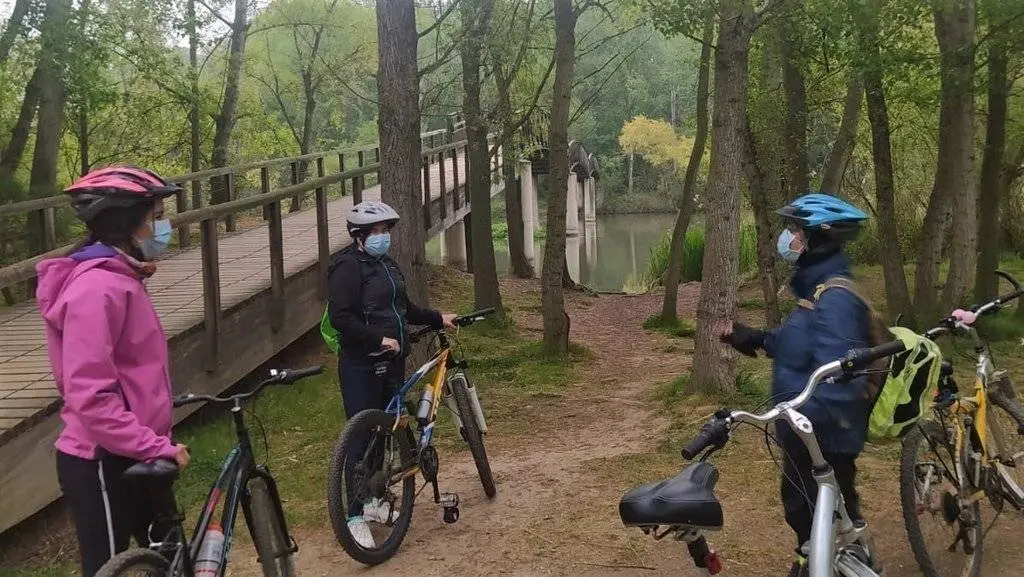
(686, 506)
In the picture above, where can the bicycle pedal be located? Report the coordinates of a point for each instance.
(449, 500)
(451, 514)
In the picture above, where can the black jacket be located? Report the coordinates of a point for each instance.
(368, 302)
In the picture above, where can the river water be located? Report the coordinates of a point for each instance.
(611, 251)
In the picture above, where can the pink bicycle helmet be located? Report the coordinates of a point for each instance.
(116, 187)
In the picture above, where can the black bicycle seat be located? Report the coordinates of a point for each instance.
(158, 470)
(688, 500)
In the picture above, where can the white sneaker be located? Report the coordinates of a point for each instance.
(380, 511)
(361, 533)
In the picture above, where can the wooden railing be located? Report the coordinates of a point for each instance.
(269, 200)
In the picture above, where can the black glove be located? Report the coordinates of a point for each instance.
(745, 339)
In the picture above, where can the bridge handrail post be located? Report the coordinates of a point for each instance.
(443, 174)
(341, 168)
(455, 178)
(211, 293)
(230, 220)
(277, 301)
(357, 182)
(322, 237)
(181, 202)
(426, 193)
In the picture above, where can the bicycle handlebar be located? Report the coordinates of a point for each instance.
(282, 377)
(715, 433)
(459, 321)
(952, 323)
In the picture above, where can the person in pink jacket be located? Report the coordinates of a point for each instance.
(109, 357)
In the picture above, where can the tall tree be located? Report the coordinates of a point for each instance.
(51, 98)
(897, 294)
(954, 27)
(399, 128)
(788, 38)
(986, 283)
(556, 322)
(225, 119)
(846, 137)
(476, 25)
(954, 174)
(686, 207)
(713, 364)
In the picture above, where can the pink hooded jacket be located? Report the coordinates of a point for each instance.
(109, 356)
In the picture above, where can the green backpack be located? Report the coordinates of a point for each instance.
(329, 333)
(903, 394)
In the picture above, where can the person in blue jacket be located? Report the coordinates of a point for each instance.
(816, 228)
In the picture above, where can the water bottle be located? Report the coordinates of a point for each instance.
(426, 403)
(209, 559)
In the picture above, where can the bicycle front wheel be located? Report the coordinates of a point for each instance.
(372, 460)
(1006, 441)
(135, 563)
(268, 532)
(929, 494)
(471, 432)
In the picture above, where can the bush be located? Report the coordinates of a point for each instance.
(693, 254)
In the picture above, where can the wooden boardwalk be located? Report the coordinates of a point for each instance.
(26, 383)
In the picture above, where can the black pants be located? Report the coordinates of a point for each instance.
(365, 384)
(799, 489)
(108, 510)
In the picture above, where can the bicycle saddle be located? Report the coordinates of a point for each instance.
(158, 470)
(688, 499)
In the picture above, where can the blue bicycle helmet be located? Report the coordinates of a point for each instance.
(825, 213)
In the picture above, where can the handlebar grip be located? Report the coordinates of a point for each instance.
(470, 318)
(292, 375)
(713, 434)
(859, 359)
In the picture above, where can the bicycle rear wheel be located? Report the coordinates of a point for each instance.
(268, 534)
(471, 432)
(367, 447)
(1005, 438)
(928, 490)
(135, 563)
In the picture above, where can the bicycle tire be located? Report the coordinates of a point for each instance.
(135, 562)
(360, 424)
(471, 432)
(911, 519)
(268, 533)
(1003, 433)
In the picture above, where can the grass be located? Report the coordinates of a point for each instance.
(677, 327)
(693, 257)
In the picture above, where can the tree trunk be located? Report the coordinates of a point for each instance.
(556, 323)
(954, 26)
(713, 364)
(842, 148)
(629, 186)
(15, 27)
(229, 105)
(195, 139)
(521, 266)
(15, 149)
(476, 22)
(796, 111)
(51, 100)
(897, 295)
(306, 139)
(986, 282)
(954, 170)
(400, 148)
(761, 199)
(83, 136)
(686, 208)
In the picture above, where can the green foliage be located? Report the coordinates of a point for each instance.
(693, 253)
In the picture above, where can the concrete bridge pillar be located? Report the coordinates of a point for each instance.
(590, 200)
(453, 243)
(536, 205)
(572, 257)
(572, 209)
(528, 203)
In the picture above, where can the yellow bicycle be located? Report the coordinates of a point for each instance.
(972, 449)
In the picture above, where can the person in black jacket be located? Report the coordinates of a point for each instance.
(369, 307)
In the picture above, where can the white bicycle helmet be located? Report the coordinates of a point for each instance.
(368, 213)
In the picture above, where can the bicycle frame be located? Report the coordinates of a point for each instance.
(440, 360)
(236, 471)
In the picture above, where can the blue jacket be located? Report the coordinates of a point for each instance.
(808, 339)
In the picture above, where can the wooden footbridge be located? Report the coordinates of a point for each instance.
(233, 295)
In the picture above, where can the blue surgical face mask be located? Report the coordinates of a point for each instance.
(156, 244)
(785, 246)
(378, 244)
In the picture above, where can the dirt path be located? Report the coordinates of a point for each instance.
(558, 488)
